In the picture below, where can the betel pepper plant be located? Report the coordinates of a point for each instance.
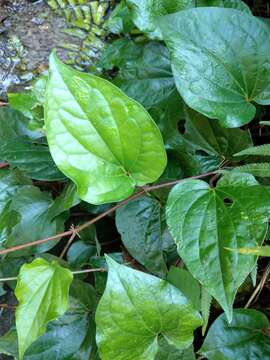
(160, 148)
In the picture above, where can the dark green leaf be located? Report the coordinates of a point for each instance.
(120, 20)
(42, 292)
(106, 159)
(27, 218)
(143, 230)
(211, 74)
(244, 338)
(135, 309)
(33, 159)
(146, 13)
(204, 220)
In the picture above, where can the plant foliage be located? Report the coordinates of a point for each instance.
(134, 198)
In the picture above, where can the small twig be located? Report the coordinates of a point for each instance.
(105, 213)
(73, 272)
(7, 306)
(69, 242)
(260, 286)
(3, 165)
(88, 271)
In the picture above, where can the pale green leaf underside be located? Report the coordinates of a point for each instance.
(135, 309)
(220, 61)
(101, 139)
(203, 221)
(42, 292)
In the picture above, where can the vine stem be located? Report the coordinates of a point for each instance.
(77, 272)
(77, 229)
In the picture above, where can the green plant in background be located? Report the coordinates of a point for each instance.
(156, 139)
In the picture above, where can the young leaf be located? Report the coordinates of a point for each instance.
(244, 338)
(104, 141)
(143, 232)
(258, 251)
(203, 221)
(211, 74)
(42, 292)
(135, 309)
(256, 169)
(262, 150)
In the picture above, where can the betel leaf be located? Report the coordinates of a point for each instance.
(146, 13)
(169, 352)
(33, 159)
(146, 76)
(120, 20)
(135, 309)
(42, 292)
(244, 338)
(211, 74)
(104, 141)
(29, 208)
(234, 4)
(143, 231)
(185, 282)
(205, 220)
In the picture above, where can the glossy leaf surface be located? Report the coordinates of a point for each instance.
(42, 292)
(245, 338)
(101, 139)
(135, 309)
(211, 74)
(203, 221)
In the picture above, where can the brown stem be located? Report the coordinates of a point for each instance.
(3, 165)
(101, 216)
(259, 287)
(69, 242)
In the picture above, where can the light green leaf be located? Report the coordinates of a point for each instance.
(135, 309)
(143, 231)
(211, 74)
(186, 283)
(42, 292)
(244, 338)
(258, 251)
(204, 220)
(101, 139)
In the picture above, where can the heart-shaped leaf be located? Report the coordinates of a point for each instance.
(220, 61)
(204, 220)
(135, 309)
(42, 292)
(245, 338)
(104, 141)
